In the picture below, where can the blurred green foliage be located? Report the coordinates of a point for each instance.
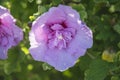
(102, 16)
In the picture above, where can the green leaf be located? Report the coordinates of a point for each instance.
(41, 9)
(30, 1)
(117, 6)
(98, 70)
(112, 8)
(118, 44)
(11, 67)
(100, 1)
(115, 78)
(38, 1)
(67, 73)
(56, 2)
(78, 7)
(117, 28)
(83, 15)
(81, 9)
(46, 66)
(84, 62)
(117, 57)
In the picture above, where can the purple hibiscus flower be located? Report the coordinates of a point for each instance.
(10, 34)
(58, 37)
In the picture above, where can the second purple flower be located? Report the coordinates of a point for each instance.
(10, 34)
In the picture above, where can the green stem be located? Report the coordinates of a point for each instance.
(91, 56)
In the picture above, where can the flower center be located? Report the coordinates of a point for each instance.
(60, 36)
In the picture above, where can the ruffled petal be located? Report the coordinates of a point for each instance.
(40, 21)
(83, 38)
(69, 11)
(7, 19)
(59, 59)
(56, 15)
(17, 34)
(3, 10)
(37, 50)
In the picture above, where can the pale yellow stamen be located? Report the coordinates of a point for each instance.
(60, 37)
